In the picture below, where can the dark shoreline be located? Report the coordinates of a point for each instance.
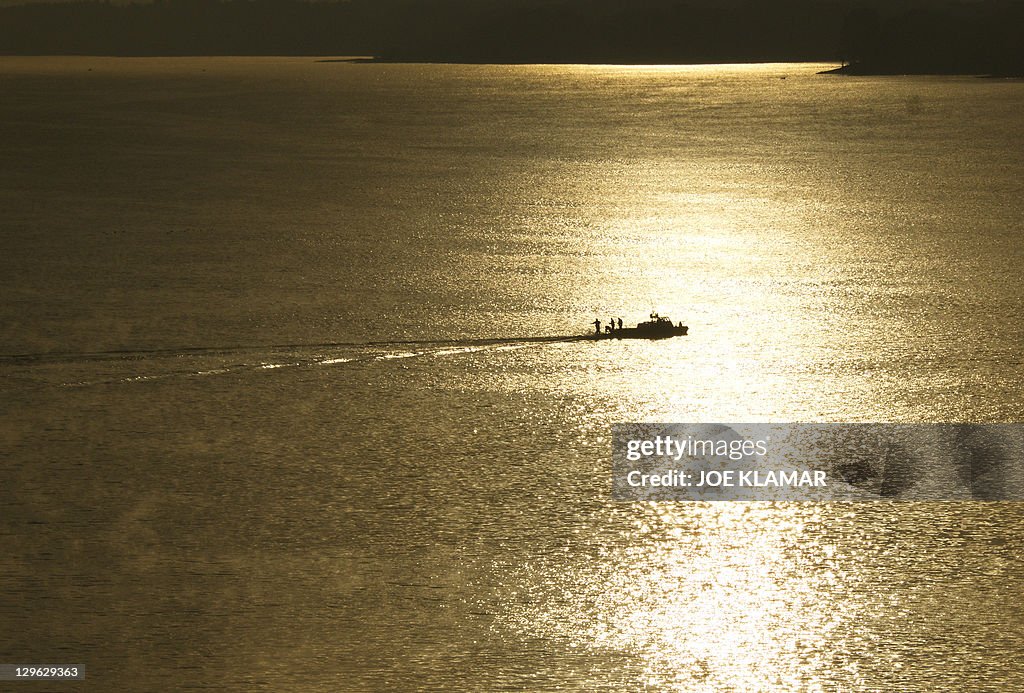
(858, 71)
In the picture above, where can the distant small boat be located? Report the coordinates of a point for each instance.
(658, 327)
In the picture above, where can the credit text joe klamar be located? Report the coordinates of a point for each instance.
(675, 448)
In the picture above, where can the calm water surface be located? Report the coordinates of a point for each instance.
(272, 420)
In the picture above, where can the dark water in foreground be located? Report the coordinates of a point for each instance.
(273, 417)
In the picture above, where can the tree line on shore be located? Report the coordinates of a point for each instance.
(959, 36)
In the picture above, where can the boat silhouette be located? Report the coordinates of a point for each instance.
(658, 327)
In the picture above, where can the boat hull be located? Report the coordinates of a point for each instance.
(642, 333)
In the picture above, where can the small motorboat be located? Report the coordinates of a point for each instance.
(658, 327)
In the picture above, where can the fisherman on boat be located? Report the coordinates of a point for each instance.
(658, 327)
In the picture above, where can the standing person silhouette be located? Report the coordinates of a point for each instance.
(612, 323)
(620, 323)
(597, 326)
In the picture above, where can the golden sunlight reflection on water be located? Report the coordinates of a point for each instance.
(729, 596)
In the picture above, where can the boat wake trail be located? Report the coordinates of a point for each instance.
(81, 369)
(138, 354)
